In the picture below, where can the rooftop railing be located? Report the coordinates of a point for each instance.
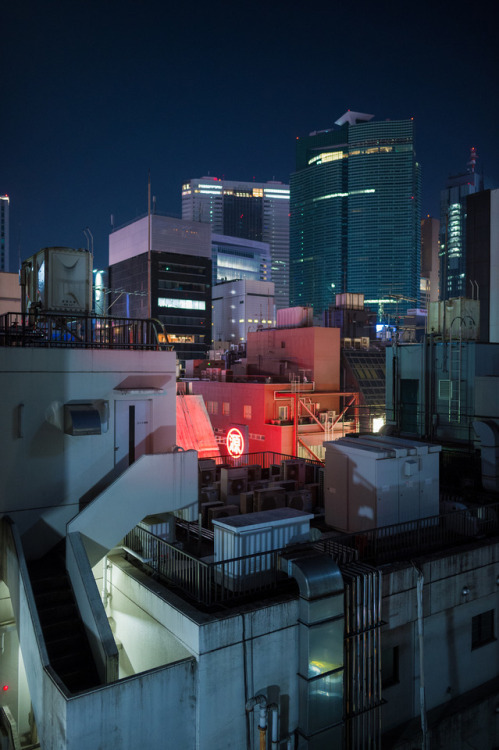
(87, 331)
(212, 583)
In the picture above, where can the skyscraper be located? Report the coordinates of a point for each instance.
(453, 229)
(355, 215)
(4, 232)
(251, 210)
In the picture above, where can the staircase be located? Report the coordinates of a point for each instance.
(64, 633)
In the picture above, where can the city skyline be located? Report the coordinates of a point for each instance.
(93, 100)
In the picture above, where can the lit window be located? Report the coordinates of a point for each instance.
(184, 304)
(247, 411)
(226, 408)
(212, 407)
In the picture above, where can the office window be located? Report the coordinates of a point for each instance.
(482, 629)
(390, 666)
(247, 411)
(226, 408)
(212, 407)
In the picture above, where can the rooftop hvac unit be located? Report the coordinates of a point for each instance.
(259, 485)
(205, 507)
(275, 470)
(294, 469)
(269, 499)
(161, 524)
(254, 473)
(262, 532)
(218, 470)
(356, 343)
(207, 476)
(323, 417)
(347, 343)
(311, 473)
(233, 481)
(364, 342)
(246, 500)
(265, 473)
(209, 494)
(301, 500)
(224, 511)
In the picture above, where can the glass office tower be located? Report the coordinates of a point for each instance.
(453, 229)
(355, 205)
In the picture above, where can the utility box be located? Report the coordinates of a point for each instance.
(247, 535)
(376, 480)
(57, 279)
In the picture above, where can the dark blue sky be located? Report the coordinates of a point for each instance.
(94, 94)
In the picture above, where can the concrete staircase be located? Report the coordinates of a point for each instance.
(64, 633)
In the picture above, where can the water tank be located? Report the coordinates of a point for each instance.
(58, 279)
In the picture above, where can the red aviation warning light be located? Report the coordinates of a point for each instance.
(235, 442)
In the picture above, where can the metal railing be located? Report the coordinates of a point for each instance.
(208, 583)
(212, 583)
(414, 538)
(261, 458)
(52, 329)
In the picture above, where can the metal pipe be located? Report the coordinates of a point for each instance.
(261, 701)
(275, 726)
(104, 581)
(146, 560)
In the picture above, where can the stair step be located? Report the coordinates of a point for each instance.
(54, 614)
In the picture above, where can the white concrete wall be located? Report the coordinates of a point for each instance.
(451, 666)
(45, 473)
(239, 655)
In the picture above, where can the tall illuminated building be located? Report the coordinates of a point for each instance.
(256, 211)
(453, 229)
(355, 225)
(4, 232)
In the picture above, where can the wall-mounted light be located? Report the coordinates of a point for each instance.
(465, 591)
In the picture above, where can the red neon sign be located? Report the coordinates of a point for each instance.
(235, 442)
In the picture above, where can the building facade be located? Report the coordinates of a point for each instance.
(453, 229)
(174, 288)
(482, 259)
(256, 211)
(354, 206)
(237, 258)
(430, 260)
(4, 232)
(241, 306)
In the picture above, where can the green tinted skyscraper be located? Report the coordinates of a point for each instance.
(355, 215)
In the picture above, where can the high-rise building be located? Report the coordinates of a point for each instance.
(430, 277)
(482, 259)
(172, 286)
(236, 258)
(355, 215)
(240, 306)
(252, 210)
(4, 232)
(453, 229)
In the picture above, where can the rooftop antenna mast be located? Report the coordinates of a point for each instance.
(149, 306)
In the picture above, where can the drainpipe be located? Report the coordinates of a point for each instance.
(104, 581)
(422, 700)
(261, 701)
(274, 726)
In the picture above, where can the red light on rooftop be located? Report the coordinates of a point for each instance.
(5, 688)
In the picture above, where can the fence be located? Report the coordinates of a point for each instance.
(217, 582)
(51, 329)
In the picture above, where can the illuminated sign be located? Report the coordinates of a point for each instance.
(235, 442)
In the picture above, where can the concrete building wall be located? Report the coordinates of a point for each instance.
(44, 468)
(10, 293)
(167, 235)
(313, 350)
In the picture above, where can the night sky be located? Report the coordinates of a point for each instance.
(93, 95)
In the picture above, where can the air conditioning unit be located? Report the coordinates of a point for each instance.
(247, 502)
(323, 417)
(301, 500)
(254, 473)
(205, 507)
(224, 511)
(275, 470)
(269, 499)
(209, 495)
(311, 473)
(219, 467)
(265, 474)
(364, 342)
(233, 481)
(347, 343)
(294, 469)
(207, 471)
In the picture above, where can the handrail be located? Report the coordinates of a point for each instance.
(81, 330)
